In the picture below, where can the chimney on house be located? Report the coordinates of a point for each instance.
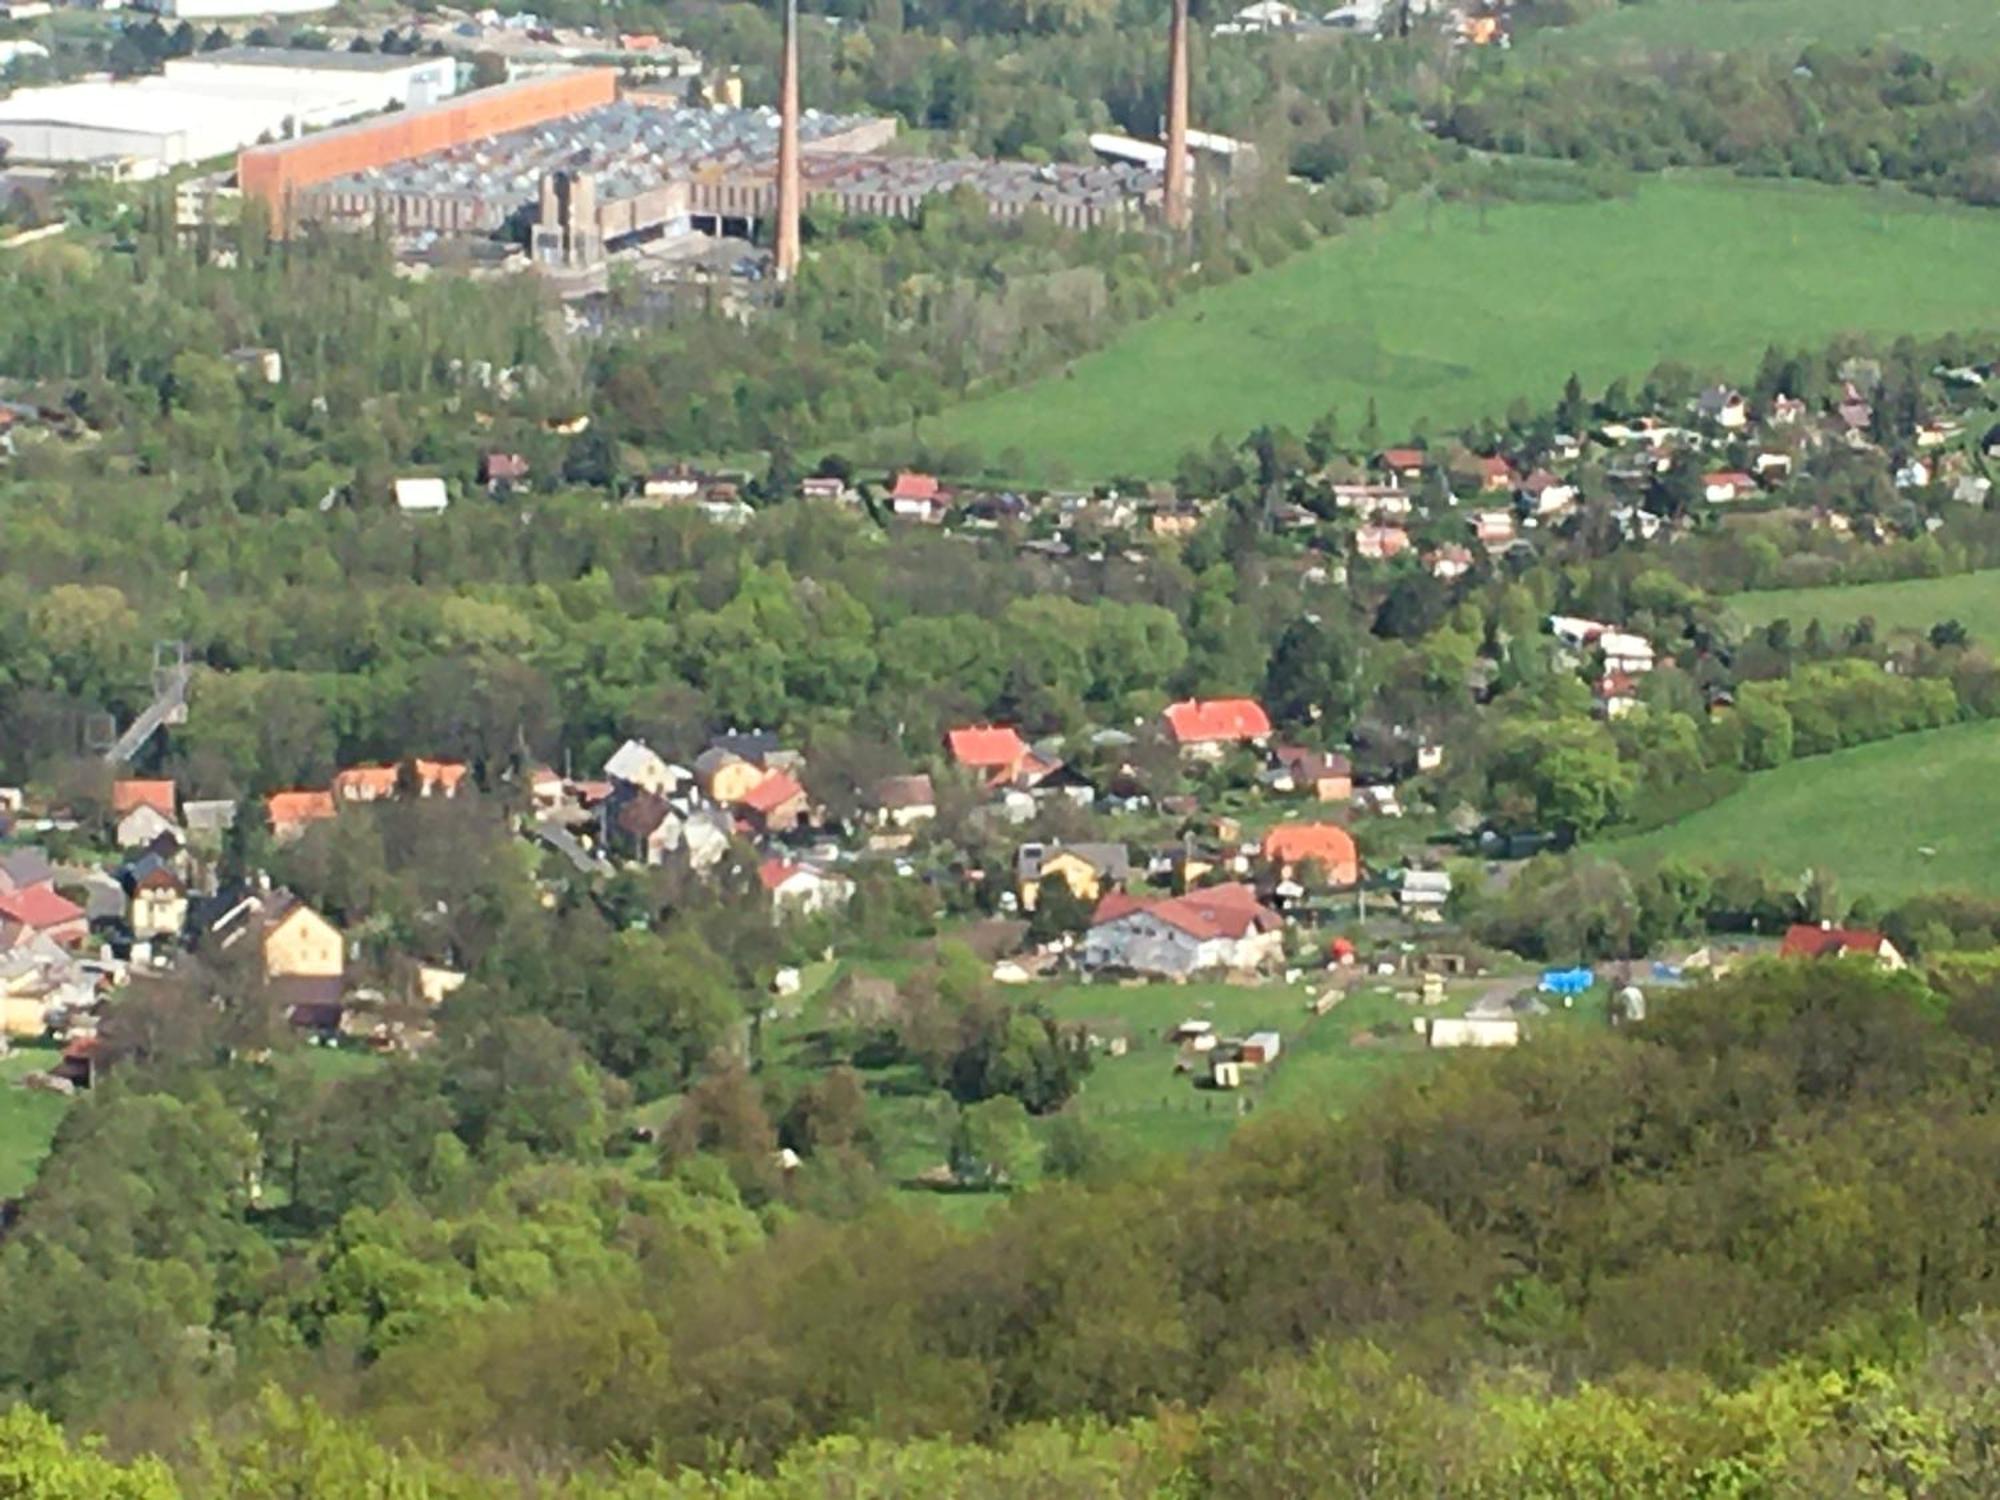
(788, 148)
(1177, 194)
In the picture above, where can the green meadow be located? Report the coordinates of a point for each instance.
(1444, 313)
(1915, 604)
(1891, 819)
(1936, 28)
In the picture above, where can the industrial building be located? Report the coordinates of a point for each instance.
(601, 180)
(212, 105)
(224, 10)
(278, 175)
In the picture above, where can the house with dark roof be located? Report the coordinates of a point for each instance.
(1088, 869)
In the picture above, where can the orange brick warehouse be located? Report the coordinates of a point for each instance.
(271, 174)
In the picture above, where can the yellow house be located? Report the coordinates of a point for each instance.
(728, 780)
(301, 944)
(1087, 869)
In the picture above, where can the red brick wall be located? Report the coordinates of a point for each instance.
(272, 173)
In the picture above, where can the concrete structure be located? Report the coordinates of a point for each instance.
(787, 257)
(276, 175)
(223, 10)
(1178, 195)
(212, 104)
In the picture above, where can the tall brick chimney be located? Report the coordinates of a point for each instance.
(1177, 186)
(788, 148)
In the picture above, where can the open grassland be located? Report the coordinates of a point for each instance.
(28, 1117)
(1443, 314)
(1972, 599)
(1903, 815)
(1935, 28)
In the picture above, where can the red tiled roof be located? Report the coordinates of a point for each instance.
(128, 794)
(773, 792)
(1734, 477)
(1295, 843)
(1403, 458)
(40, 907)
(773, 873)
(1206, 721)
(1211, 912)
(299, 807)
(914, 486)
(358, 784)
(1804, 940)
(986, 747)
(444, 775)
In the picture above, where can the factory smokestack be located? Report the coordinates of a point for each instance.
(788, 148)
(1177, 119)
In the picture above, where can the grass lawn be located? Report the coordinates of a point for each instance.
(1867, 814)
(1972, 599)
(1444, 315)
(28, 1117)
(1936, 28)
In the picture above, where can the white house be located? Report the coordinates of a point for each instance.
(1217, 927)
(801, 889)
(1625, 652)
(420, 497)
(1423, 890)
(635, 763)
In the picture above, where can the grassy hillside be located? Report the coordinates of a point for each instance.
(1446, 313)
(1936, 28)
(1868, 814)
(1972, 599)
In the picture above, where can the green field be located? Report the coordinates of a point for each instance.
(1445, 315)
(1972, 599)
(1868, 814)
(1936, 28)
(28, 1118)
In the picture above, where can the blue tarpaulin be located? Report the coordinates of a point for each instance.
(1566, 981)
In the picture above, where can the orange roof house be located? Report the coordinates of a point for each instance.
(439, 778)
(910, 485)
(987, 747)
(291, 813)
(1290, 846)
(363, 783)
(40, 909)
(1805, 940)
(1214, 722)
(127, 794)
(777, 804)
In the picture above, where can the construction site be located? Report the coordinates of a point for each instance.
(561, 173)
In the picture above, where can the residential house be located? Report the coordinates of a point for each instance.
(1911, 474)
(801, 889)
(824, 487)
(1087, 869)
(1205, 728)
(438, 778)
(1772, 465)
(1936, 434)
(1222, 927)
(636, 764)
(706, 837)
(298, 943)
(1547, 495)
(1405, 465)
(1381, 543)
(157, 899)
(365, 783)
(143, 824)
(420, 496)
(1727, 485)
(905, 801)
(1318, 774)
(994, 752)
(1496, 475)
(1724, 407)
(1616, 694)
(41, 911)
(642, 826)
(292, 813)
(776, 804)
(676, 483)
(1449, 562)
(1374, 502)
(1492, 529)
(1291, 849)
(1824, 940)
(503, 470)
(25, 869)
(40, 983)
(1786, 411)
(727, 778)
(208, 821)
(547, 791)
(1625, 652)
(130, 793)
(918, 497)
(1423, 893)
